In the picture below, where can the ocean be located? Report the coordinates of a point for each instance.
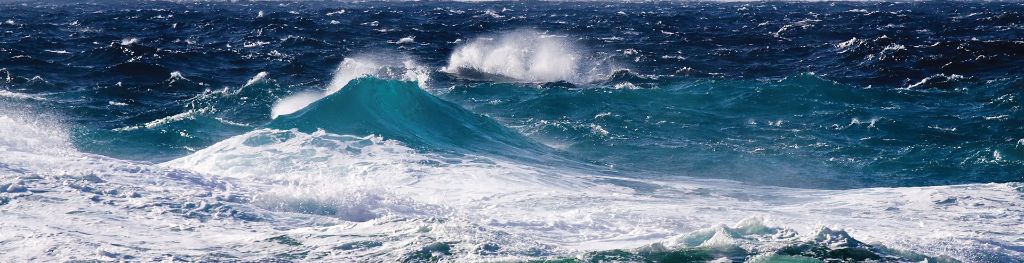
(540, 131)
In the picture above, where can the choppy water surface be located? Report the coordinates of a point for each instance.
(593, 131)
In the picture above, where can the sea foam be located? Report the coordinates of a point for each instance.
(395, 187)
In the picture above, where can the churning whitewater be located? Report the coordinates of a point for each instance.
(511, 131)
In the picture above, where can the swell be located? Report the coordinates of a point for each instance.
(816, 132)
(400, 110)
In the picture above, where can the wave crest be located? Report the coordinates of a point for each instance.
(525, 56)
(352, 68)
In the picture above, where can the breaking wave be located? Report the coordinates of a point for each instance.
(526, 56)
(402, 111)
(351, 68)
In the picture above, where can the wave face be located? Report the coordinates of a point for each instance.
(402, 111)
(498, 131)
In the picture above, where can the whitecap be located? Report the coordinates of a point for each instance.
(129, 41)
(176, 76)
(936, 80)
(252, 44)
(186, 115)
(525, 55)
(846, 45)
(260, 77)
(17, 95)
(406, 40)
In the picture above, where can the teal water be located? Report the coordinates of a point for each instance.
(511, 131)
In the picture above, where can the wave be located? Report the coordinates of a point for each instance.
(377, 65)
(402, 111)
(526, 56)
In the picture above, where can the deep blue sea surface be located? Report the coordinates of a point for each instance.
(846, 96)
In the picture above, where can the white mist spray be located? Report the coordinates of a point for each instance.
(527, 56)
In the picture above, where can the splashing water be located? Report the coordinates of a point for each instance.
(523, 55)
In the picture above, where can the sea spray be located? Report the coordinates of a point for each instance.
(527, 56)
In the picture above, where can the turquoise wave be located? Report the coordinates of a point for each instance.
(400, 110)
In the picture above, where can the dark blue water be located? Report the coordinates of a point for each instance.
(811, 95)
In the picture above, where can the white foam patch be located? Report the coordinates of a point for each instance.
(20, 96)
(367, 178)
(349, 173)
(258, 78)
(186, 115)
(406, 40)
(528, 56)
(58, 204)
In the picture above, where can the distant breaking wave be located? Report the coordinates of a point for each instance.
(525, 56)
